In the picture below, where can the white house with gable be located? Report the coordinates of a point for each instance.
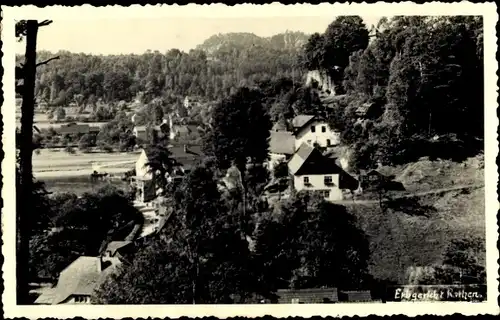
(314, 172)
(314, 130)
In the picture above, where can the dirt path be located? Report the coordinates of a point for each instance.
(417, 194)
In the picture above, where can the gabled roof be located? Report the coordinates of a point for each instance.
(309, 161)
(300, 157)
(301, 120)
(47, 296)
(317, 295)
(114, 246)
(186, 156)
(356, 296)
(83, 276)
(282, 142)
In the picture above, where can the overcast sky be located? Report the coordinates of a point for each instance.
(115, 36)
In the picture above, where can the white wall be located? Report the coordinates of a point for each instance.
(317, 183)
(141, 170)
(306, 135)
(274, 158)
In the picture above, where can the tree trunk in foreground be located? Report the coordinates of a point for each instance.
(25, 166)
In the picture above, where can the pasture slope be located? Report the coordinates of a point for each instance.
(416, 232)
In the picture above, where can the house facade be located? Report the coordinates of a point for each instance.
(281, 148)
(312, 171)
(146, 190)
(314, 130)
(140, 133)
(326, 184)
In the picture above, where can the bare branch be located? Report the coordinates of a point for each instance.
(47, 61)
(45, 23)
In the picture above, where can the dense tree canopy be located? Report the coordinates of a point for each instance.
(81, 225)
(85, 79)
(416, 75)
(200, 259)
(311, 244)
(330, 51)
(239, 130)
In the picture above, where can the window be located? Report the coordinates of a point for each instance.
(323, 129)
(306, 181)
(325, 193)
(309, 141)
(295, 301)
(313, 129)
(328, 142)
(81, 299)
(328, 180)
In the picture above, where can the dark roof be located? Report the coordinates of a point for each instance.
(74, 128)
(187, 156)
(301, 120)
(308, 295)
(186, 128)
(373, 172)
(82, 277)
(309, 160)
(356, 296)
(282, 142)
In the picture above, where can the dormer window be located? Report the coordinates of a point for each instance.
(313, 129)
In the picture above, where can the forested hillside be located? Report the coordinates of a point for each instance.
(219, 43)
(235, 60)
(415, 89)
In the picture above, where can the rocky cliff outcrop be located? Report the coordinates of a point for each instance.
(322, 80)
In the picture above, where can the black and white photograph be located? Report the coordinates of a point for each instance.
(340, 159)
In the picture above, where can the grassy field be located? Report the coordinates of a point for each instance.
(416, 232)
(78, 184)
(41, 121)
(57, 162)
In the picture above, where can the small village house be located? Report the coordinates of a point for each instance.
(146, 190)
(306, 296)
(314, 130)
(314, 172)
(281, 147)
(140, 133)
(186, 157)
(77, 128)
(78, 281)
(118, 249)
(190, 102)
(355, 296)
